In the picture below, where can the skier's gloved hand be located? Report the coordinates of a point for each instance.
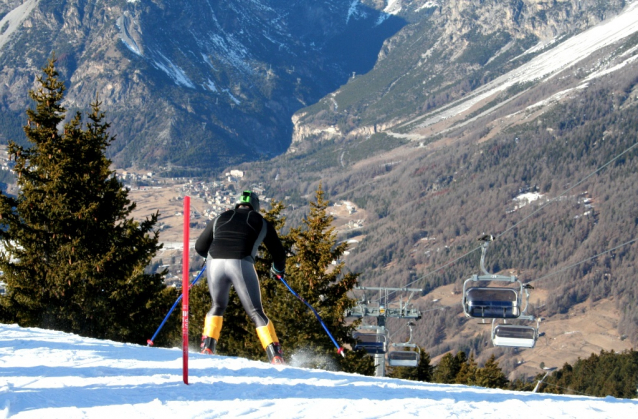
(276, 272)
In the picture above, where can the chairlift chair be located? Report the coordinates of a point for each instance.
(494, 302)
(491, 302)
(511, 335)
(402, 358)
(372, 343)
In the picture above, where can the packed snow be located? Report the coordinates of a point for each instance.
(49, 374)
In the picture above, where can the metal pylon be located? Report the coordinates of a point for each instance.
(381, 310)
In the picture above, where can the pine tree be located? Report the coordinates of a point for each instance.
(490, 375)
(468, 369)
(72, 259)
(446, 370)
(315, 272)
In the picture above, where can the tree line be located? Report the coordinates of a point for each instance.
(606, 374)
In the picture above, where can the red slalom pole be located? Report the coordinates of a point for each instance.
(185, 286)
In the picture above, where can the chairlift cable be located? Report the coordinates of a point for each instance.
(524, 219)
(433, 272)
(568, 190)
(569, 389)
(584, 260)
(555, 272)
(560, 270)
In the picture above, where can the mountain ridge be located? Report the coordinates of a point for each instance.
(196, 84)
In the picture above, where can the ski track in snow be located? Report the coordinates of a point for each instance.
(49, 374)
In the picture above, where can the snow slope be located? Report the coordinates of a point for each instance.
(48, 374)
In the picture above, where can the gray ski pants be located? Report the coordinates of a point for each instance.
(241, 274)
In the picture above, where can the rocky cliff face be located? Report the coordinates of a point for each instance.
(449, 49)
(203, 84)
(194, 83)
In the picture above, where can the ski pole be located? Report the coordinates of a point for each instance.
(339, 348)
(150, 341)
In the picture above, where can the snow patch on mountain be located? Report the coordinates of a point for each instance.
(233, 98)
(352, 9)
(556, 97)
(13, 20)
(616, 67)
(538, 47)
(392, 7)
(547, 64)
(122, 24)
(210, 85)
(355, 11)
(527, 197)
(173, 71)
(231, 51)
(427, 5)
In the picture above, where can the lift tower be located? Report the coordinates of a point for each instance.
(376, 343)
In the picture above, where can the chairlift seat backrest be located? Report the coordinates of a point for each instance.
(372, 343)
(514, 336)
(403, 359)
(492, 302)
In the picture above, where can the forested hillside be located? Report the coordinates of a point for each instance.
(427, 204)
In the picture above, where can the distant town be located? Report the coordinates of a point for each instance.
(218, 195)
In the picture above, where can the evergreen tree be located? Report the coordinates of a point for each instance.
(315, 272)
(490, 375)
(468, 369)
(447, 369)
(607, 374)
(72, 259)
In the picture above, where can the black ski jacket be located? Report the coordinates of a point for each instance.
(237, 234)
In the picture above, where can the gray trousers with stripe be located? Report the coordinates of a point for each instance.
(241, 274)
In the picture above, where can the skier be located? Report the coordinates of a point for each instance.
(232, 240)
